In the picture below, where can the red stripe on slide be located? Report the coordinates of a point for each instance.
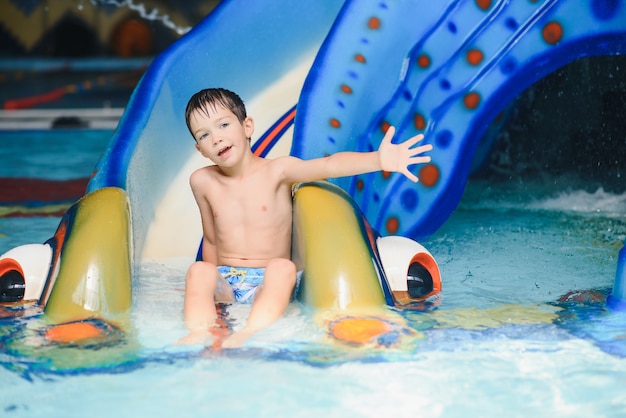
(270, 137)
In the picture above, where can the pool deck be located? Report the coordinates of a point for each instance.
(42, 119)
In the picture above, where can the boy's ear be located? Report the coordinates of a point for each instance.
(248, 125)
(200, 150)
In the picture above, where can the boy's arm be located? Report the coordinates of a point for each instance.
(209, 249)
(398, 157)
(389, 157)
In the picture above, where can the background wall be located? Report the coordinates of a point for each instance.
(87, 28)
(570, 123)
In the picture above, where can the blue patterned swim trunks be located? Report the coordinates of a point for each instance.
(245, 281)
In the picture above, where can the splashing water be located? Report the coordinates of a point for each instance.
(152, 15)
(584, 202)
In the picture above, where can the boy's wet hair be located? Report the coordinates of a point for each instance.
(206, 100)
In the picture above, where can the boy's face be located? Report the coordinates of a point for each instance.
(220, 136)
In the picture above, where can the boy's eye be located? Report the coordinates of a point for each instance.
(224, 125)
(202, 136)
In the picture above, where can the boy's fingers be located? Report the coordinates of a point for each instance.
(421, 149)
(414, 140)
(389, 134)
(410, 176)
(419, 160)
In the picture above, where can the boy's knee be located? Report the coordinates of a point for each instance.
(201, 270)
(284, 268)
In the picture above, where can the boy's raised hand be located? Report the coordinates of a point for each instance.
(398, 157)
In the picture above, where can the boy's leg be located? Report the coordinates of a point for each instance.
(271, 300)
(203, 285)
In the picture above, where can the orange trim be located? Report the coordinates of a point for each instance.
(359, 330)
(429, 263)
(73, 332)
(9, 264)
(274, 132)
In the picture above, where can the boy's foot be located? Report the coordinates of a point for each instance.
(238, 338)
(201, 336)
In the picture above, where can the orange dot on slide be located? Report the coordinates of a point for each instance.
(474, 56)
(423, 61)
(483, 4)
(552, 32)
(419, 122)
(359, 330)
(429, 175)
(471, 100)
(392, 225)
(72, 332)
(373, 23)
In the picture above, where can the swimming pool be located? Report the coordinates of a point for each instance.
(55, 154)
(497, 341)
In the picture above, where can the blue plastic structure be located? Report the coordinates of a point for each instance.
(446, 69)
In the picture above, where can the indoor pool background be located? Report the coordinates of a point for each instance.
(496, 342)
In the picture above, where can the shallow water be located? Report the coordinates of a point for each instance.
(496, 342)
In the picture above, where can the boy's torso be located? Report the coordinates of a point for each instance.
(252, 215)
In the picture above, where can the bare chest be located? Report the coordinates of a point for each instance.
(253, 203)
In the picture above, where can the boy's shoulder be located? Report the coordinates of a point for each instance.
(282, 160)
(206, 172)
(274, 162)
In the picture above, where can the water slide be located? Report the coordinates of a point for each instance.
(446, 69)
(318, 78)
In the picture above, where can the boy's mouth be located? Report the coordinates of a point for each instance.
(223, 151)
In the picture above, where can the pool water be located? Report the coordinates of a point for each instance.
(496, 342)
(57, 154)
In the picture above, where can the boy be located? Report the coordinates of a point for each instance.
(246, 208)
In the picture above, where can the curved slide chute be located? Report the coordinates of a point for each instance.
(246, 47)
(446, 69)
(262, 50)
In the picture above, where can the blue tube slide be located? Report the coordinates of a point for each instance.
(446, 69)
(243, 46)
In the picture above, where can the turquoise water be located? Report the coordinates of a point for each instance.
(51, 154)
(497, 342)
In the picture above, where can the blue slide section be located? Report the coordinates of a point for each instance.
(446, 69)
(244, 46)
(442, 68)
